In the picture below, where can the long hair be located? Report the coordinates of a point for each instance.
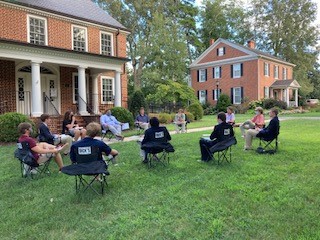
(67, 115)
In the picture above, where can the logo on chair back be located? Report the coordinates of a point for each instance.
(19, 145)
(84, 150)
(159, 134)
(226, 132)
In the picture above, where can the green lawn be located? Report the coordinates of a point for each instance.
(254, 197)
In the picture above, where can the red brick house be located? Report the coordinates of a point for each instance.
(243, 73)
(57, 55)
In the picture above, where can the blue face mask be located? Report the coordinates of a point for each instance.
(108, 113)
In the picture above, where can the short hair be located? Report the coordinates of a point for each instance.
(275, 111)
(154, 122)
(180, 110)
(230, 108)
(44, 117)
(93, 129)
(260, 109)
(222, 116)
(23, 127)
(142, 108)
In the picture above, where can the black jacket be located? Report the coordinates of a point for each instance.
(156, 134)
(45, 134)
(222, 132)
(271, 131)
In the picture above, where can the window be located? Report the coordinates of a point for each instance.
(107, 89)
(215, 94)
(37, 30)
(202, 96)
(266, 92)
(21, 91)
(217, 72)
(237, 95)
(202, 75)
(236, 70)
(284, 74)
(79, 36)
(75, 87)
(266, 69)
(221, 51)
(276, 72)
(106, 44)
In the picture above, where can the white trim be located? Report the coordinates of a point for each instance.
(276, 67)
(233, 71)
(112, 47)
(215, 76)
(86, 36)
(87, 85)
(205, 98)
(45, 28)
(101, 89)
(234, 95)
(200, 74)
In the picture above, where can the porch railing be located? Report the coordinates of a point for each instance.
(24, 102)
(49, 107)
(88, 108)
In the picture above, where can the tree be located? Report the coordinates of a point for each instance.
(137, 101)
(286, 29)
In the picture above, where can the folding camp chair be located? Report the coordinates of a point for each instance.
(268, 145)
(139, 129)
(88, 169)
(107, 134)
(29, 165)
(223, 150)
(158, 153)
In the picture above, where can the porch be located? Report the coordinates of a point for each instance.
(285, 90)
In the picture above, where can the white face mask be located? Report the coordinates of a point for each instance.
(257, 112)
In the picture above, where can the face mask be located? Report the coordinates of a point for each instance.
(30, 130)
(257, 112)
(108, 113)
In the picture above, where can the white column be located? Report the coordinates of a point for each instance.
(270, 92)
(82, 99)
(117, 88)
(95, 99)
(296, 98)
(287, 97)
(36, 95)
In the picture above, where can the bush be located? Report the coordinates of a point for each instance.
(165, 118)
(190, 116)
(255, 103)
(9, 126)
(196, 110)
(223, 102)
(123, 115)
(270, 103)
(136, 101)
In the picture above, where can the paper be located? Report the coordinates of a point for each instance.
(125, 126)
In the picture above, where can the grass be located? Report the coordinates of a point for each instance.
(254, 197)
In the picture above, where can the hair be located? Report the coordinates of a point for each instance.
(142, 108)
(105, 112)
(23, 127)
(154, 122)
(44, 117)
(260, 109)
(230, 108)
(222, 116)
(67, 115)
(275, 111)
(93, 129)
(180, 110)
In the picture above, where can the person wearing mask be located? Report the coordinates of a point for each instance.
(71, 127)
(142, 120)
(109, 122)
(257, 122)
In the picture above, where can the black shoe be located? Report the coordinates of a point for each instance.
(145, 161)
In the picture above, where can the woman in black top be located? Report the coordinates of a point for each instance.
(70, 126)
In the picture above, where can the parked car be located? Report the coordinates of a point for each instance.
(312, 101)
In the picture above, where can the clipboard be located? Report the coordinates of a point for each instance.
(125, 126)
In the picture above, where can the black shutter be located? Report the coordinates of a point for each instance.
(206, 75)
(241, 68)
(220, 72)
(242, 94)
(220, 91)
(224, 50)
(231, 95)
(206, 95)
(198, 74)
(213, 94)
(217, 51)
(213, 73)
(198, 93)
(231, 71)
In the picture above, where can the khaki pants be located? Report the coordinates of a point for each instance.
(246, 125)
(251, 133)
(64, 139)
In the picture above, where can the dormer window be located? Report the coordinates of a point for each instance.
(221, 51)
(37, 30)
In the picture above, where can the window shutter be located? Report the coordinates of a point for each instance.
(206, 75)
(224, 50)
(220, 91)
(241, 68)
(213, 95)
(198, 93)
(242, 94)
(231, 71)
(206, 95)
(231, 95)
(198, 75)
(217, 51)
(220, 72)
(213, 73)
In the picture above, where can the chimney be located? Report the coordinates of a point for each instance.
(251, 44)
(211, 41)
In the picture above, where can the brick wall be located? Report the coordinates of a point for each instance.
(13, 24)
(7, 85)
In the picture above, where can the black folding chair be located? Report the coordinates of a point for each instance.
(107, 134)
(88, 169)
(139, 129)
(223, 150)
(28, 164)
(158, 153)
(268, 145)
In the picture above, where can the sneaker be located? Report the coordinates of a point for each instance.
(113, 160)
(145, 161)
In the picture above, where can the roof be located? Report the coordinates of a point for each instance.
(285, 84)
(251, 54)
(81, 9)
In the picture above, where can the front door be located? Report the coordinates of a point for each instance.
(49, 90)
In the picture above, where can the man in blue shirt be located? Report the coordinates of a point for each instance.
(109, 122)
(142, 119)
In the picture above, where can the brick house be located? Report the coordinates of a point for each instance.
(243, 73)
(59, 55)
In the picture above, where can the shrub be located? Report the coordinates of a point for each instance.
(223, 102)
(165, 118)
(123, 115)
(190, 116)
(270, 103)
(9, 126)
(196, 110)
(136, 101)
(255, 103)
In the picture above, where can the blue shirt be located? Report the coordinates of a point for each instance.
(88, 141)
(143, 118)
(108, 120)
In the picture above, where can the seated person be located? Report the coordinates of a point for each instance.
(109, 122)
(180, 121)
(142, 120)
(46, 136)
(221, 131)
(40, 151)
(70, 126)
(230, 117)
(268, 133)
(154, 136)
(93, 129)
(257, 122)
